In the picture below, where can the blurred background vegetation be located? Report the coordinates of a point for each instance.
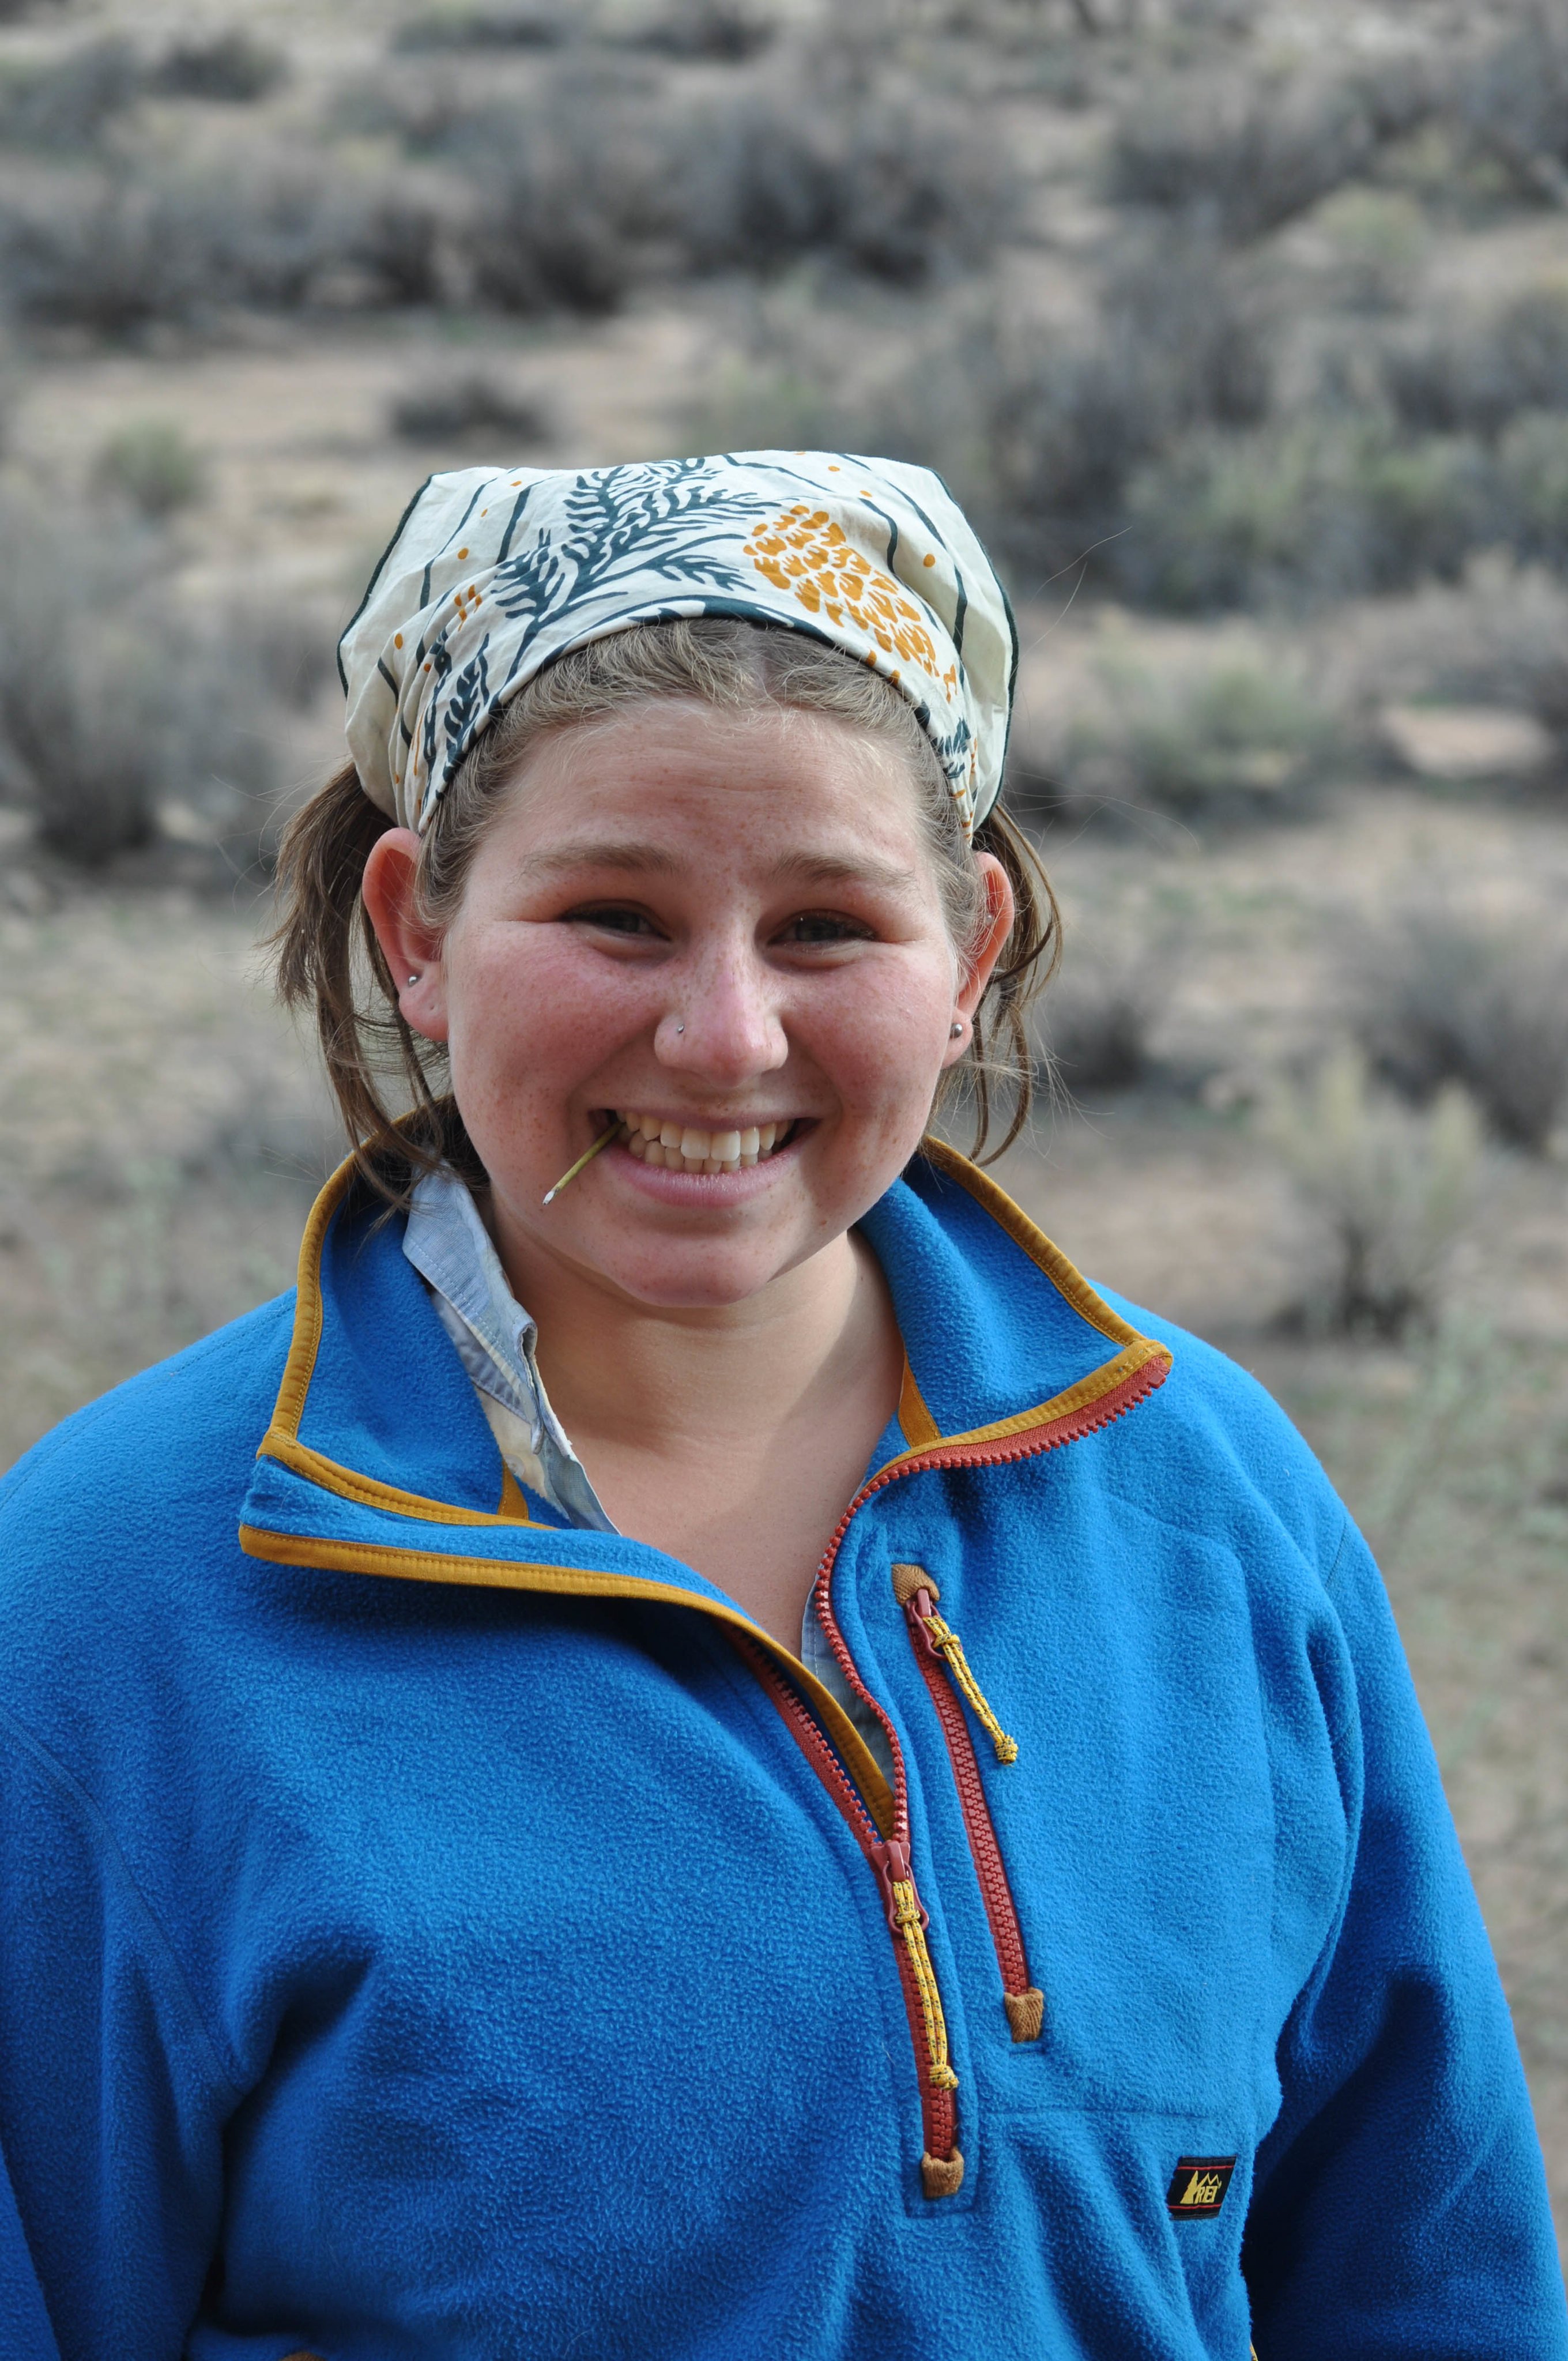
(1241, 329)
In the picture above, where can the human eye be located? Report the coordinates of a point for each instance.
(819, 926)
(613, 918)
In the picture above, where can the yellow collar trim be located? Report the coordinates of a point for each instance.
(430, 1565)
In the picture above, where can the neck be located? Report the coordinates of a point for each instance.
(732, 1437)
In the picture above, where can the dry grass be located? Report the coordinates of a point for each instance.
(159, 1144)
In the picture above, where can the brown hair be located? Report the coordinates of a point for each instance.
(329, 961)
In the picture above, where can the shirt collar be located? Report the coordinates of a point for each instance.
(448, 1245)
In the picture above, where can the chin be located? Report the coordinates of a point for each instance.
(705, 1279)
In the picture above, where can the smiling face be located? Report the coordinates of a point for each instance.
(703, 926)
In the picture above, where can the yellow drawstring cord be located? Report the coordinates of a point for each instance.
(948, 1643)
(906, 1913)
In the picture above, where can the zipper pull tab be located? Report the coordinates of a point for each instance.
(917, 1595)
(891, 1862)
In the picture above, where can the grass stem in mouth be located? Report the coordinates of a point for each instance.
(586, 1158)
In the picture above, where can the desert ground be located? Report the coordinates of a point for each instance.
(1287, 547)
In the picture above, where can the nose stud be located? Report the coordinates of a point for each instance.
(680, 1029)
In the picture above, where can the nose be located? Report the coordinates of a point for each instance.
(724, 1023)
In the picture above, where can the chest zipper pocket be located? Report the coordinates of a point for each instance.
(939, 1654)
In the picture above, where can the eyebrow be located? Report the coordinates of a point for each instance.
(638, 860)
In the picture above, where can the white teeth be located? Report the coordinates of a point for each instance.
(684, 1147)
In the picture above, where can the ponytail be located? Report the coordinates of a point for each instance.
(329, 963)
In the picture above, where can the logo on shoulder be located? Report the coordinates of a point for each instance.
(1198, 2184)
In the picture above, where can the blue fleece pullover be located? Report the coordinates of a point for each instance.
(431, 1933)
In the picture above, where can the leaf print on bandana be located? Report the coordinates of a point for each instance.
(620, 528)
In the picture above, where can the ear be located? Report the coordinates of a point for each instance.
(987, 949)
(412, 950)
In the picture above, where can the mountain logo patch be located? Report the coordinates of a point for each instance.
(1198, 2184)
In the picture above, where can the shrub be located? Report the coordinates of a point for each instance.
(1387, 1192)
(1534, 469)
(1500, 638)
(112, 699)
(564, 197)
(1247, 155)
(429, 113)
(1230, 740)
(543, 238)
(117, 251)
(150, 464)
(77, 705)
(1514, 102)
(448, 404)
(1328, 507)
(233, 66)
(1065, 422)
(1440, 997)
(276, 227)
(67, 102)
(729, 31)
(522, 26)
(403, 232)
(869, 173)
(1479, 368)
(1378, 238)
(1094, 1027)
(109, 253)
(291, 646)
(756, 189)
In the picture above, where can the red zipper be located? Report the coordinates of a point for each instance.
(917, 1595)
(941, 2164)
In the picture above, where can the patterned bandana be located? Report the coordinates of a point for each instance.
(493, 572)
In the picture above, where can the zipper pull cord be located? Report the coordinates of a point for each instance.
(907, 1917)
(916, 1598)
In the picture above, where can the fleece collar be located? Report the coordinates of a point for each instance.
(1009, 1351)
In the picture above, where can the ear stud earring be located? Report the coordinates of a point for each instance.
(413, 979)
(953, 1032)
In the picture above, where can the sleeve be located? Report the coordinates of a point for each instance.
(112, 2096)
(1399, 2209)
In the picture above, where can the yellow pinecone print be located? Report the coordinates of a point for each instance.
(805, 553)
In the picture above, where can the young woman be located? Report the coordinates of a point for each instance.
(697, 1747)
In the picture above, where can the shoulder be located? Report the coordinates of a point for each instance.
(179, 1433)
(1212, 1448)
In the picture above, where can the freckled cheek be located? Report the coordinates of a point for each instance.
(883, 1050)
(549, 1018)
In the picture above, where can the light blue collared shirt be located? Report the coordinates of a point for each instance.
(450, 1247)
